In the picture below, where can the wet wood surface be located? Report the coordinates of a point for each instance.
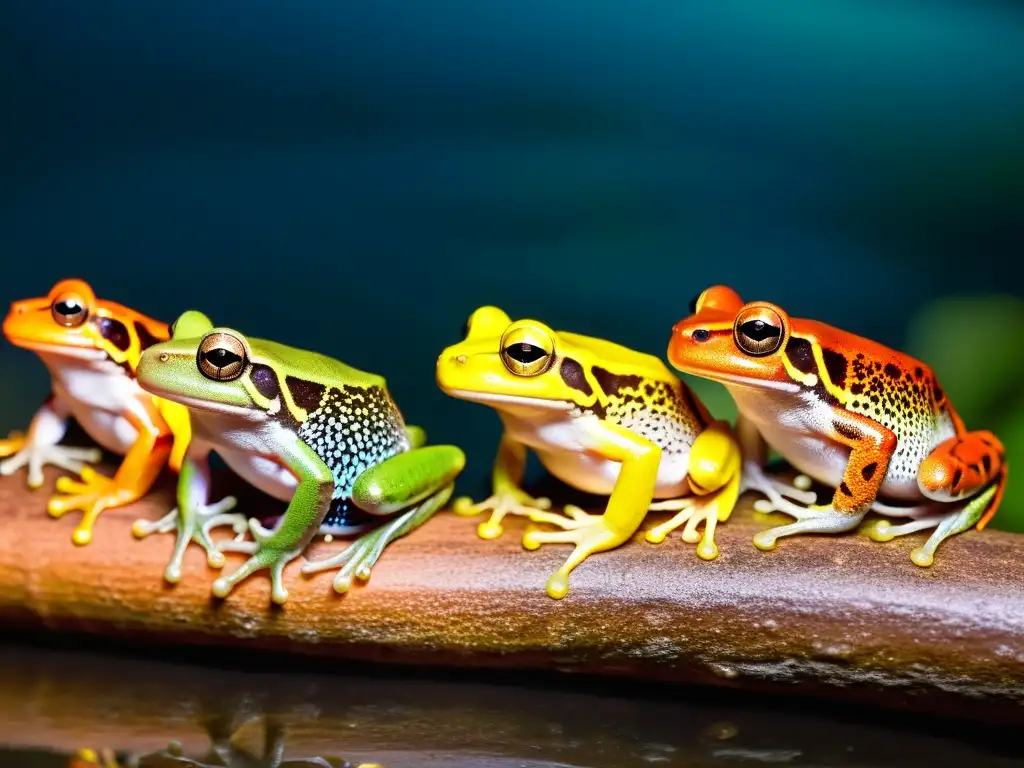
(840, 617)
(62, 702)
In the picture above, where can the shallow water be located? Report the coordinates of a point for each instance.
(54, 701)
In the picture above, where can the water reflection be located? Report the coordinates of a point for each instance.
(79, 710)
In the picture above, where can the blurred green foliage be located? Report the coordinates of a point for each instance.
(971, 345)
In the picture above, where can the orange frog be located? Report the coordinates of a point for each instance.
(91, 349)
(848, 412)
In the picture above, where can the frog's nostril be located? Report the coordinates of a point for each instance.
(460, 359)
(164, 357)
(701, 334)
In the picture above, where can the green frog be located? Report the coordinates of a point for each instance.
(303, 428)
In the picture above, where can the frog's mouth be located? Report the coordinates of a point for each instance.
(515, 400)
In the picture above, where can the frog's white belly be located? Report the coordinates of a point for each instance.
(247, 445)
(568, 448)
(795, 425)
(98, 392)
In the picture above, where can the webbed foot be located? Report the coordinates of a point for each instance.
(356, 561)
(195, 526)
(590, 534)
(264, 556)
(22, 453)
(778, 492)
(92, 494)
(512, 501)
(691, 511)
(813, 519)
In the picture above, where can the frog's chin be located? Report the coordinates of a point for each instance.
(497, 398)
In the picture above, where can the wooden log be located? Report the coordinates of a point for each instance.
(841, 617)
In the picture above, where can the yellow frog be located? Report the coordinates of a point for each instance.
(602, 418)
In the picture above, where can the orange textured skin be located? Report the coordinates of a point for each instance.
(883, 400)
(30, 324)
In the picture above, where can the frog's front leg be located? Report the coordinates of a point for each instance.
(193, 518)
(871, 448)
(714, 478)
(507, 496)
(297, 526)
(138, 471)
(40, 446)
(627, 505)
(969, 466)
(411, 486)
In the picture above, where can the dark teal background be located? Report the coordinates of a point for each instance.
(356, 177)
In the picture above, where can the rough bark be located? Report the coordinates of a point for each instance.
(843, 617)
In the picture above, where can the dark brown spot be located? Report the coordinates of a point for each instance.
(649, 389)
(919, 372)
(956, 478)
(892, 371)
(146, 339)
(937, 391)
(115, 332)
(845, 489)
(835, 364)
(850, 433)
(974, 468)
(265, 381)
(306, 394)
(986, 461)
(856, 389)
(612, 383)
(868, 470)
(800, 355)
(572, 375)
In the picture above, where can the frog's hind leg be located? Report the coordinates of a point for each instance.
(715, 479)
(412, 486)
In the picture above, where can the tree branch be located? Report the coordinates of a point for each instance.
(841, 616)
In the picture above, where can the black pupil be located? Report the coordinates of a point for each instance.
(759, 330)
(68, 308)
(701, 334)
(221, 358)
(525, 353)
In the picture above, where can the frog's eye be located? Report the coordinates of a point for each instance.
(758, 331)
(69, 310)
(221, 357)
(526, 352)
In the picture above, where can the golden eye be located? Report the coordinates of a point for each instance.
(758, 331)
(221, 357)
(526, 351)
(69, 310)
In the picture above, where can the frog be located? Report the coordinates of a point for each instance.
(602, 418)
(91, 348)
(303, 428)
(868, 421)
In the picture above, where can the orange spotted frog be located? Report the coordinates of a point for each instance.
(848, 412)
